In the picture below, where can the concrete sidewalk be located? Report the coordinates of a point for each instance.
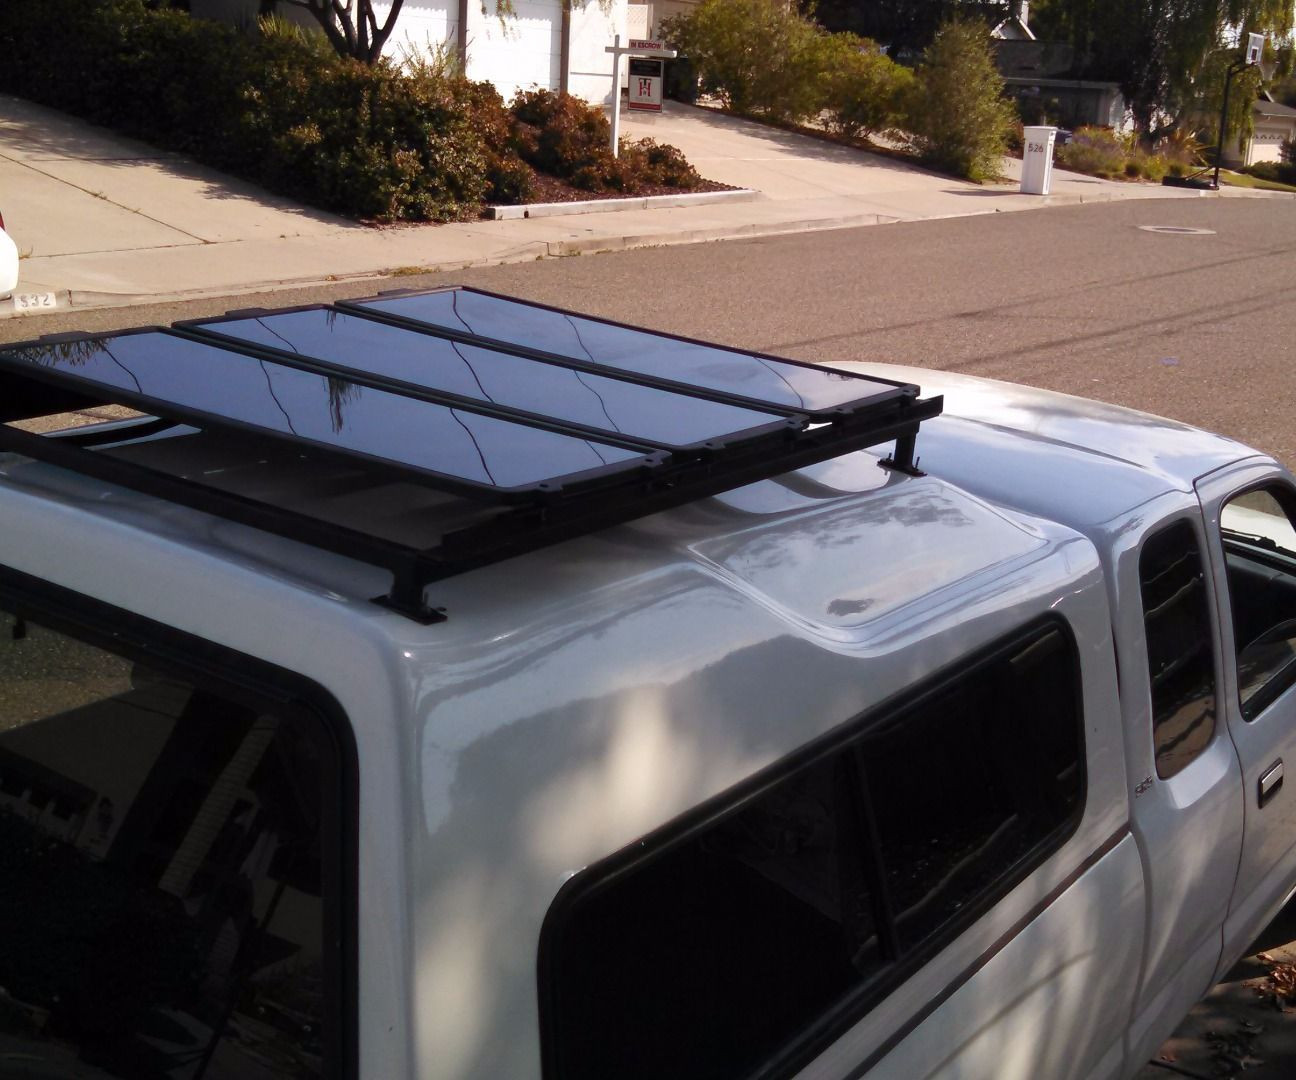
(102, 220)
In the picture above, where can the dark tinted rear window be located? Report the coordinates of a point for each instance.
(165, 850)
(1181, 660)
(725, 950)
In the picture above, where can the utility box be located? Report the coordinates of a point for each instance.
(645, 85)
(1037, 160)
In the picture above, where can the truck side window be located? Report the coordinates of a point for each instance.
(165, 878)
(1181, 661)
(1260, 553)
(786, 914)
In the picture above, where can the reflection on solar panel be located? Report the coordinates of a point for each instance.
(464, 373)
(167, 375)
(605, 346)
(576, 423)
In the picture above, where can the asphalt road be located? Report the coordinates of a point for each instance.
(1198, 327)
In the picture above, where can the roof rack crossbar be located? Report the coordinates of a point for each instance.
(524, 529)
(406, 564)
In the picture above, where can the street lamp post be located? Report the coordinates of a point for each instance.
(1254, 51)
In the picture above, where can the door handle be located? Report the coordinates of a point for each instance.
(1271, 780)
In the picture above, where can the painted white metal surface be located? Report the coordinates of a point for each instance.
(584, 695)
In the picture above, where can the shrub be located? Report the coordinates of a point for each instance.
(651, 162)
(1181, 148)
(373, 142)
(956, 114)
(563, 136)
(414, 142)
(757, 56)
(864, 89)
(508, 177)
(1280, 172)
(1097, 151)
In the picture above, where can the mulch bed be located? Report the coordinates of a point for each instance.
(549, 189)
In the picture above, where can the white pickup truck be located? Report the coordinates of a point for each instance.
(442, 686)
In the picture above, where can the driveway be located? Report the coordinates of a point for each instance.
(103, 220)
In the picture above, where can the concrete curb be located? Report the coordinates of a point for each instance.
(607, 206)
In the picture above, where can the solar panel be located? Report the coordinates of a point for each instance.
(596, 344)
(169, 375)
(459, 371)
(552, 424)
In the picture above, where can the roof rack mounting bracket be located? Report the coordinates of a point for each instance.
(407, 596)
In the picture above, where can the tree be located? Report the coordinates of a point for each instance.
(758, 56)
(352, 26)
(958, 117)
(903, 26)
(1157, 50)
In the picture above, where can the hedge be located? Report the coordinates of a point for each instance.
(369, 142)
(415, 142)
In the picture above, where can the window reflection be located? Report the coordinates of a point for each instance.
(1260, 553)
(160, 873)
(1181, 661)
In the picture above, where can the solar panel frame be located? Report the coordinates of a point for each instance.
(781, 425)
(506, 522)
(589, 479)
(898, 389)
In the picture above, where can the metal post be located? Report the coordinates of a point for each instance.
(1233, 69)
(616, 93)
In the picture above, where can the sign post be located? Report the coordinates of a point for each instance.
(645, 87)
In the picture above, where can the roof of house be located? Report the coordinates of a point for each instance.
(1274, 109)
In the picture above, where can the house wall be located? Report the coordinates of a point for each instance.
(1266, 143)
(422, 27)
(592, 31)
(518, 52)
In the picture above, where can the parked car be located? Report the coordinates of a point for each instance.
(8, 262)
(439, 685)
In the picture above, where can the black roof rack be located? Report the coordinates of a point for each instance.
(556, 424)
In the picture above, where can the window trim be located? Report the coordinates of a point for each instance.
(1282, 681)
(252, 681)
(805, 1046)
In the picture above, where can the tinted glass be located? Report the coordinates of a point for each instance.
(581, 397)
(1181, 662)
(627, 349)
(714, 952)
(162, 866)
(1260, 552)
(164, 369)
(711, 956)
(967, 784)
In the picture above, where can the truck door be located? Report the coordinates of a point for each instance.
(1183, 769)
(1251, 516)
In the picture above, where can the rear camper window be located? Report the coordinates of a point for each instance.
(169, 870)
(736, 945)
